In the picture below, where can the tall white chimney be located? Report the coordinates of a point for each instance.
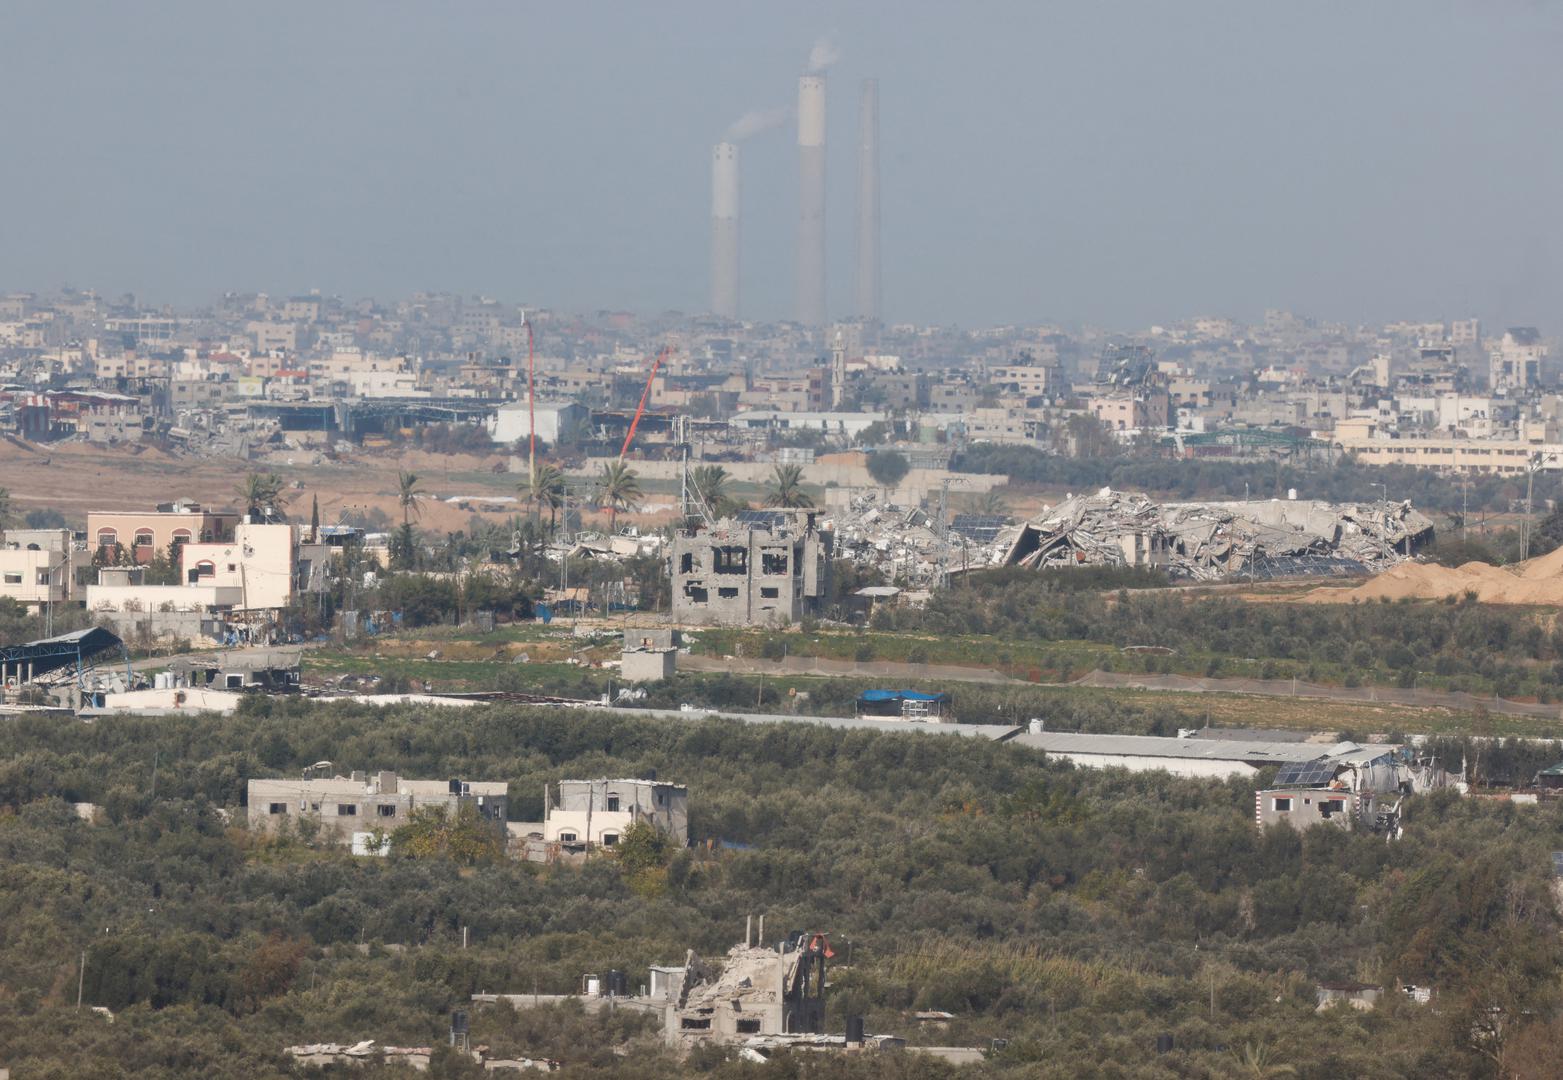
(868, 289)
(724, 230)
(811, 200)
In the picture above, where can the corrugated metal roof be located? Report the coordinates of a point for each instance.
(979, 731)
(1254, 752)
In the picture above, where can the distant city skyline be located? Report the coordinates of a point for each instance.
(1118, 166)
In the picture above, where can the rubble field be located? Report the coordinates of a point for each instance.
(1212, 541)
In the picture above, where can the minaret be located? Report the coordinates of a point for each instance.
(838, 372)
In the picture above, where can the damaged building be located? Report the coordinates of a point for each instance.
(765, 567)
(1263, 540)
(1361, 788)
(754, 990)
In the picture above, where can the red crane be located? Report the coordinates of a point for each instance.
(641, 408)
(531, 409)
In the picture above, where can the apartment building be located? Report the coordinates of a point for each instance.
(353, 809)
(259, 562)
(146, 533)
(1514, 365)
(37, 566)
(583, 814)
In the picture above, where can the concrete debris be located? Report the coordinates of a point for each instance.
(1211, 541)
(904, 543)
(359, 1054)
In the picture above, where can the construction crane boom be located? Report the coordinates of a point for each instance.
(531, 409)
(641, 408)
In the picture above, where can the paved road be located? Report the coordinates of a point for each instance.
(885, 669)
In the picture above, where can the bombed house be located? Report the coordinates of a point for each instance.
(766, 567)
(753, 990)
(1358, 787)
(1263, 540)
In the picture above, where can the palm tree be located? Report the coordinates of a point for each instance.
(407, 495)
(545, 488)
(619, 488)
(1259, 1062)
(262, 494)
(990, 504)
(787, 488)
(710, 482)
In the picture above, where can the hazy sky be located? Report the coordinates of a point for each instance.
(1121, 163)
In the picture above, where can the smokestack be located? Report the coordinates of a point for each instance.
(868, 202)
(811, 200)
(724, 230)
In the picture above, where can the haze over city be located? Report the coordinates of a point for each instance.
(862, 541)
(1114, 164)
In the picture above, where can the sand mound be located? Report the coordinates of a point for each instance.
(1535, 581)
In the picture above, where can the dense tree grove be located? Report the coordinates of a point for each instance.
(1076, 914)
(1457, 643)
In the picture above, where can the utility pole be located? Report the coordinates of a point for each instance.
(81, 979)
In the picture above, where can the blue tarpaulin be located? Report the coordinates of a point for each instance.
(900, 695)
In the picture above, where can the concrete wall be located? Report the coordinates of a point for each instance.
(646, 665)
(139, 600)
(1197, 767)
(172, 701)
(190, 625)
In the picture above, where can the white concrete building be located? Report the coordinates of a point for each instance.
(37, 566)
(511, 421)
(595, 813)
(257, 566)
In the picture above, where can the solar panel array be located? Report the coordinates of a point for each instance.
(766, 519)
(1306, 774)
(979, 528)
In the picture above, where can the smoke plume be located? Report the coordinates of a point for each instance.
(822, 56)
(755, 121)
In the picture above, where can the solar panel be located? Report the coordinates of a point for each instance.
(768, 519)
(1306, 774)
(983, 528)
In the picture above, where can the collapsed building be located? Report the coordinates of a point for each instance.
(904, 543)
(764, 567)
(1278, 538)
(754, 990)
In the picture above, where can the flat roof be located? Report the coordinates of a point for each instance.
(997, 732)
(1251, 751)
(641, 780)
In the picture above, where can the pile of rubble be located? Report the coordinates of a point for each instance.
(904, 543)
(1279, 538)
